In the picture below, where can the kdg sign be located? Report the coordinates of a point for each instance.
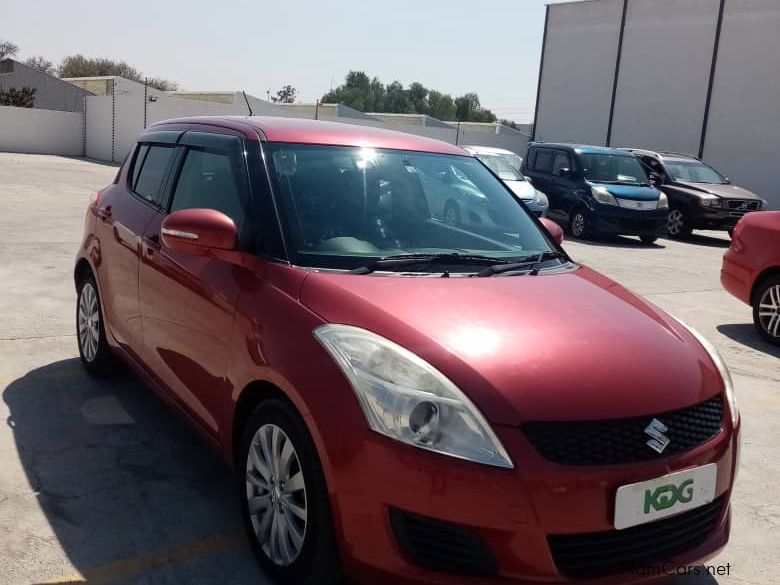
(666, 496)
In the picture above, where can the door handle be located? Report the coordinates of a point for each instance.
(104, 212)
(151, 244)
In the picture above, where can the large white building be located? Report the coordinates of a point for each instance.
(694, 76)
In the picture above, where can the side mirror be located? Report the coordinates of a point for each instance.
(196, 231)
(655, 179)
(553, 228)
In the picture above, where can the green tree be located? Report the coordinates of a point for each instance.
(41, 64)
(81, 66)
(468, 109)
(8, 49)
(286, 95)
(21, 98)
(441, 105)
(418, 98)
(397, 99)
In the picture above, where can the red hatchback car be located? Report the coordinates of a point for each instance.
(405, 397)
(751, 270)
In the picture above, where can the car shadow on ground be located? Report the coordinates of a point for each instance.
(746, 334)
(126, 486)
(712, 242)
(618, 242)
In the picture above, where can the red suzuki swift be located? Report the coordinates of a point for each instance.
(412, 380)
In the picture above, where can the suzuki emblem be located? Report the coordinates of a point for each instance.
(659, 440)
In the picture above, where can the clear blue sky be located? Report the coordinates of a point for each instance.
(454, 46)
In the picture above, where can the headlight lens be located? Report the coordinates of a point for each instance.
(405, 398)
(709, 201)
(663, 201)
(763, 205)
(722, 369)
(602, 195)
(541, 199)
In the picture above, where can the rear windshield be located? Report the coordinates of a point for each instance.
(612, 168)
(340, 206)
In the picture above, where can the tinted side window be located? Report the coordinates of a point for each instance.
(561, 162)
(149, 175)
(544, 161)
(211, 180)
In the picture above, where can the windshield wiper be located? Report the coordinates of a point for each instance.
(410, 260)
(531, 263)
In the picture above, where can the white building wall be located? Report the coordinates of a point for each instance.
(579, 69)
(37, 131)
(745, 110)
(664, 74)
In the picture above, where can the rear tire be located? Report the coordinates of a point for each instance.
(678, 225)
(290, 527)
(94, 351)
(648, 240)
(766, 310)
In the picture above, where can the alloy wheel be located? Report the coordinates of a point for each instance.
(675, 222)
(769, 311)
(276, 495)
(578, 225)
(89, 322)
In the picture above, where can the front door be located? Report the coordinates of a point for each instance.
(187, 301)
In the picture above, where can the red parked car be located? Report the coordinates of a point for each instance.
(404, 398)
(751, 270)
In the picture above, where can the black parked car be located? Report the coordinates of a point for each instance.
(597, 191)
(699, 196)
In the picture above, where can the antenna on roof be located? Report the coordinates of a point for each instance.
(248, 107)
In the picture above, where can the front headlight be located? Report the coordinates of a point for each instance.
(602, 195)
(663, 201)
(709, 201)
(405, 398)
(723, 370)
(763, 205)
(541, 199)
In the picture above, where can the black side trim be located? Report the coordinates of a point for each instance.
(710, 83)
(617, 71)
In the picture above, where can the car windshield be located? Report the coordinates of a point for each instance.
(342, 207)
(501, 166)
(694, 171)
(612, 168)
(515, 160)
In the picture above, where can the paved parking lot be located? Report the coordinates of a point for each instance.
(100, 483)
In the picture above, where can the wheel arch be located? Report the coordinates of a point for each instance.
(82, 269)
(760, 279)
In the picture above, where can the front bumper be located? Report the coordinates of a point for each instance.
(512, 511)
(615, 221)
(709, 218)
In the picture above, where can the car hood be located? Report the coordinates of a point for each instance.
(630, 191)
(567, 346)
(522, 189)
(726, 191)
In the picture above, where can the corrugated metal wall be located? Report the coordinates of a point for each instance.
(664, 73)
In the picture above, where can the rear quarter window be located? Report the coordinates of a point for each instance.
(544, 161)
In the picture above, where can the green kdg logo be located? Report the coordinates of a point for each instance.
(667, 496)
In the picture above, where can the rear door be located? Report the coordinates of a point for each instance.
(562, 186)
(187, 301)
(540, 170)
(124, 212)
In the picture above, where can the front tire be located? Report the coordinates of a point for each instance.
(766, 310)
(578, 224)
(677, 224)
(94, 351)
(284, 499)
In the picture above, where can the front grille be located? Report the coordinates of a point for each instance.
(441, 546)
(598, 554)
(742, 205)
(618, 441)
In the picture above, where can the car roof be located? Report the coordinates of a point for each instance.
(304, 131)
(663, 154)
(583, 148)
(489, 150)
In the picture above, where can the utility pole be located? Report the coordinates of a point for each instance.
(457, 136)
(317, 110)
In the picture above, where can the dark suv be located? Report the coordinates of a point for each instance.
(595, 190)
(699, 196)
